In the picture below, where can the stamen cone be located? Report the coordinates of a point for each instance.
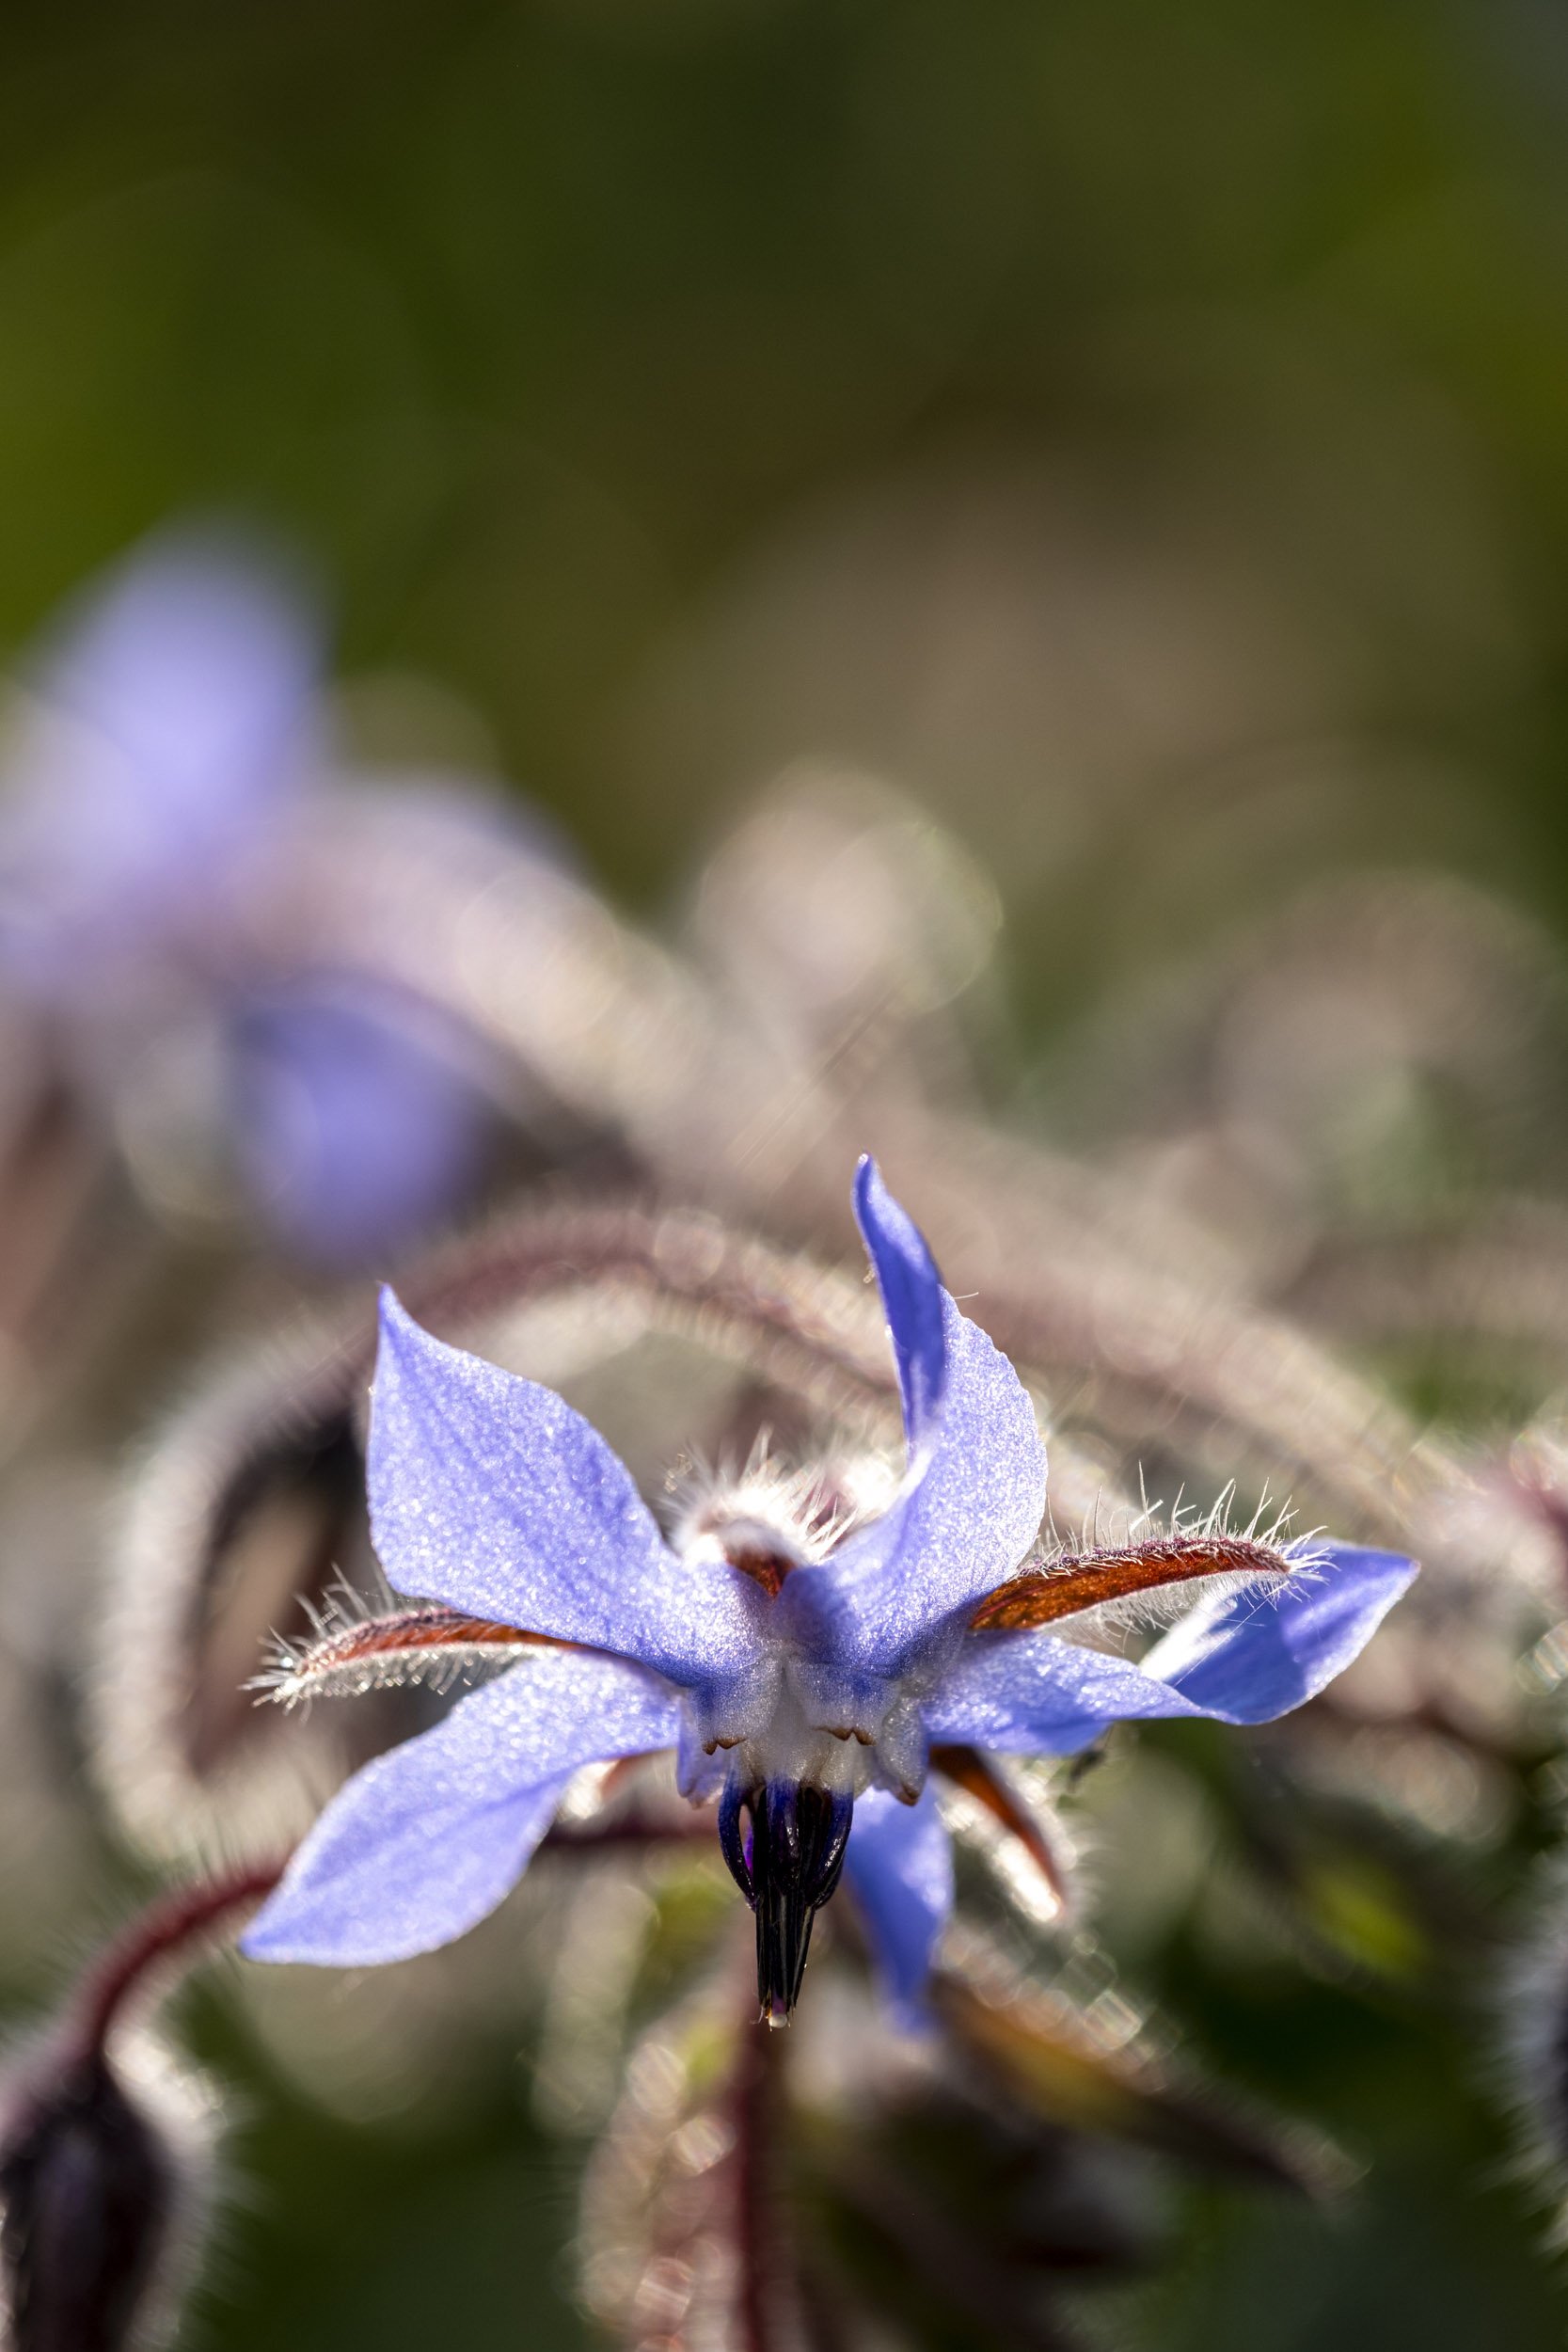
(785, 1843)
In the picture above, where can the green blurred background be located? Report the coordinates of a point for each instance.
(614, 355)
(1141, 430)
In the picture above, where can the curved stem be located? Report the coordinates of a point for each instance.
(163, 1931)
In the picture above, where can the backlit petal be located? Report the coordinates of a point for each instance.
(490, 1493)
(1242, 1657)
(427, 1840)
(899, 1864)
(912, 1301)
(1251, 1656)
(1034, 1695)
(965, 1516)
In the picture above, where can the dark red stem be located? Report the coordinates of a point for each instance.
(160, 1934)
(187, 1914)
(762, 2217)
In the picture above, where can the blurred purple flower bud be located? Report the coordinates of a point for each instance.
(89, 2195)
(104, 2147)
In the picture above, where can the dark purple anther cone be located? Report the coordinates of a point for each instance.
(783, 1842)
(87, 2192)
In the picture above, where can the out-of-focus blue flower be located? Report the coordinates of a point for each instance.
(802, 1660)
(176, 719)
(357, 1118)
(158, 810)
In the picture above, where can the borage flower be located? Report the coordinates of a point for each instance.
(808, 1659)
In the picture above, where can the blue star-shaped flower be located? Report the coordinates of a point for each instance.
(804, 1671)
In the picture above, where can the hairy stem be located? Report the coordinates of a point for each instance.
(163, 1931)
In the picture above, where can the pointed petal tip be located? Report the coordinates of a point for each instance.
(974, 1490)
(885, 1223)
(397, 1334)
(1248, 1663)
(402, 1340)
(273, 1935)
(292, 1946)
(912, 1299)
(287, 1930)
(391, 1314)
(899, 1863)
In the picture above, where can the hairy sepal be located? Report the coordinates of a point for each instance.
(348, 1653)
(1148, 1579)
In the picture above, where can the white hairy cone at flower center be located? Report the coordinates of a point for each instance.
(796, 1720)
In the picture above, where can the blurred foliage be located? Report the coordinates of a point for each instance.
(544, 326)
(317, 2255)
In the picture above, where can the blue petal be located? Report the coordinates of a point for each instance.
(1244, 1658)
(899, 1863)
(490, 1493)
(1036, 1695)
(1253, 1656)
(422, 1843)
(970, 1504)
(912, 1301)
(358, 1125)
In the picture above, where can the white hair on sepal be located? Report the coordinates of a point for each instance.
(289, 1677)
(1258, 1557)
(360, 1641)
